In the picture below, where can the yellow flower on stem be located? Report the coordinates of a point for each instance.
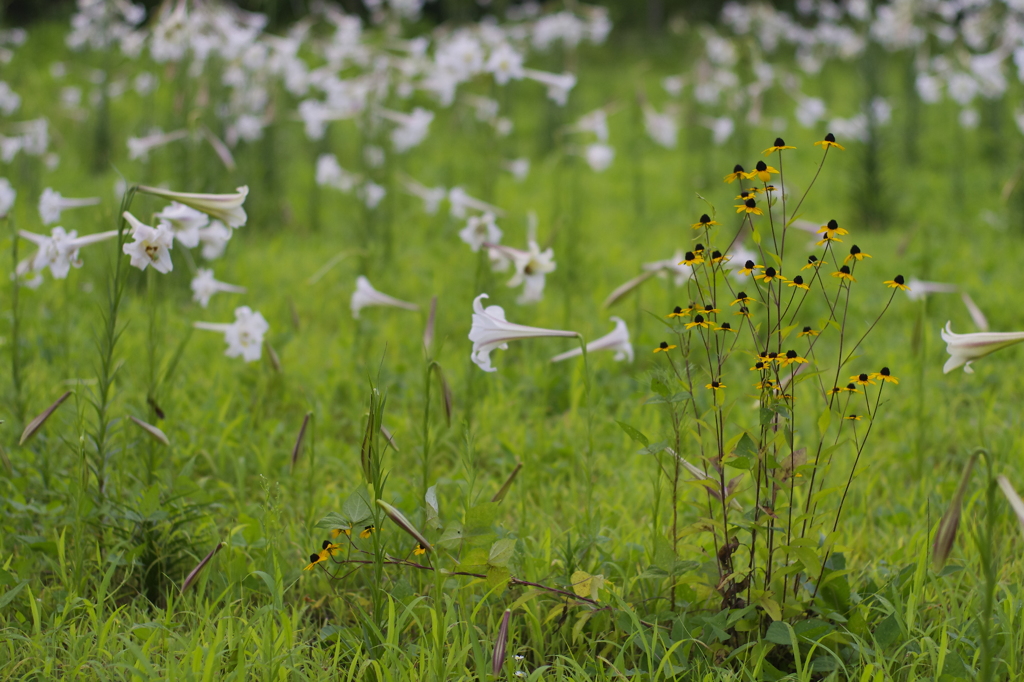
(778, 146)
(419, 549)
(844, 273)
(741, 297)
(717, 257)
(791, 358)
(705, 221)
(679, 312)
(831, 230)
(341, 531)
(750, 206)
(749, 267)
(897, 282)
(829, 141)
(759, 367)
(798, 282)
(698, 321)
(807, 331)
(726, 327)
(851, 388)
(663, 348)
(813, 262)
(691, 259)
(314, 559)
(852, 417)
(737, 174)
(710, 310)
(835, 390)
(762, 172)
(856, 254)
(764, 384)
(744, 311)
(715, 385)
(769, 274)
(862, 379)
(367, 532)
(884, 375)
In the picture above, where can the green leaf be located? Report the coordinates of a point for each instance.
(10, 594)
(654, 448)
(433, 519)
(496, 576)
(451, 537)
(481, 517)
(356, 508)
(333, 520)
(660, 387)
(887, 632)
(633, 433)
(824, 421)
(501, 553)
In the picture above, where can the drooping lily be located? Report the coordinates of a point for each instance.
(964, 349)
(365, 296)
(58, 252)
(244, 336)
(204, 286)
(51, 204)
(223, 207)
(184, 222)
(616, 340)
(491, 331)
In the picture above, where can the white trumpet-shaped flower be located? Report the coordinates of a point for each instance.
(139, 147)
(59, 251)
(184, 222)
(616, 340)
(224, 207)
(964, 349)
(244, 336)
(431, 196)
(51, 204)
(365, 296)
(480, 230)
(532, 267)
(460, 201)
(7, 197)
(152, 245)
(204, 286)
(558, 84)
(214, 238)
(491, 331)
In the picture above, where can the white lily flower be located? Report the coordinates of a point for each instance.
(412, 127)
(480, 230)
(244, 336)
(59, 251)
(918, 289)
(460, 201)
(431, 196)
(616, 340)
(532, 267)
(599, 156)
(519, 168)
(7, 197)
(204, 286)
(152, 245)
(214, 238)
(505, 64)
(491, 331)
(964, 349)
(365, 296)
(330, 173)
(140, 147)
(223, 207)
(558, 84)
(184, 222)
(371, 193)
(681, 274)
(51, 204)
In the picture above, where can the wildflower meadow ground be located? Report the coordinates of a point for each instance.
(448, 341)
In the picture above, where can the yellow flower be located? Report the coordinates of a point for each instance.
(341, 531)
(418, 550)
(808, 332)
(744, 311)
(741, 297)
(813, 262)
(710, 310)
(853, 417)
(750, 206)
(715, 385)
(717, 257)
(829, 141)
(897, 282)
(367, 532)
(862, 379)
(749, 267)
(835, 390)
(844, 273)
(726, 327)
(791, 358)
(831, 230)
(764, 384)
(885, 375)
(762, 172)
(759, 367)
(851, 388)
(737, 174)
(663, 348)
(778, 146)
(798, 282)
(691, 259)
(314, 559)
(856, 254)
(328, 551)
(768, 275)
(705, 221)
(698, 321)
(679, 312)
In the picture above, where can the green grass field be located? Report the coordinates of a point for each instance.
(91, 575)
